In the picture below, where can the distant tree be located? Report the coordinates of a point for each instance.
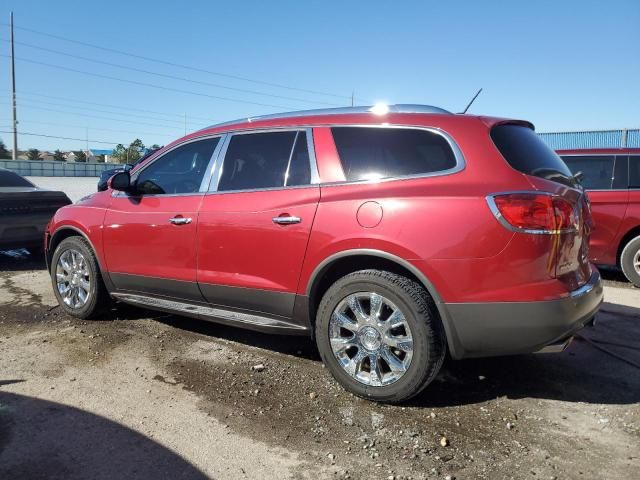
(130, 154)
(100, 158)
(155, 146)
(33, 154)
(4, 153)
(80, 156)
(58, 156)
(136, 149)
(119, 154)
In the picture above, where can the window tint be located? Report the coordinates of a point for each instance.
(179, 171)
(372, 153)
(10, 179)
(299, 172)
(527, 153)
(256, 160)
(621, 172)
(597, 170)
(634, 171)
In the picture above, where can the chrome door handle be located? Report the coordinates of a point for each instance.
(180, 220)
(286, 220)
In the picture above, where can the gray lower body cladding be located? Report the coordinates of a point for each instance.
(510, 328)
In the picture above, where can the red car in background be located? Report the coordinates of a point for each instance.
(612, 179)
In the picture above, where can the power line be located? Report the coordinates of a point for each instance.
(137, 133)
(186, 67)
(61, 138)
(66, 99)
(173, 77)
(177, 122)
(95, 116)
(144, 84)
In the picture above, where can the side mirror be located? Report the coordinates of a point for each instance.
(120, 182)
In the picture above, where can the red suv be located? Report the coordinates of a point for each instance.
(612, 178)
(390, 235)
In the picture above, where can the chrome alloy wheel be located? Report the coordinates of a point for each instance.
(636, 262)
(73, 278)
(371, 339)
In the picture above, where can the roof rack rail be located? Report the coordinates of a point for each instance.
(380, 109)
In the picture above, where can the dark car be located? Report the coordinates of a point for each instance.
(25, 211)
(107, 174)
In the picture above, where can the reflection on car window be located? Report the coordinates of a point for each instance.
(179, 171)
(597, 170)
(257, 160)
(373, 153)
(10, 179)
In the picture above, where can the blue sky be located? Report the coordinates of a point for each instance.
(565, 65)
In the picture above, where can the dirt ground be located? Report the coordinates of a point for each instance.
(149, 395)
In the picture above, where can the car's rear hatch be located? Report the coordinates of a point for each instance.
(548, 174)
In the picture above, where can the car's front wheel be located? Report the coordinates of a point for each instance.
(630, 261)
(380, 336)
(76, 279)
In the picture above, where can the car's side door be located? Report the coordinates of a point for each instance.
(150, 233)
(255, 222)
(605, 178)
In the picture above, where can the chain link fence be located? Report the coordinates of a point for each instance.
(37, 168)
(623, 138)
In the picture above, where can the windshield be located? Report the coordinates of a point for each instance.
(527, 153)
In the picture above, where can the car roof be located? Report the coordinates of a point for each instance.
(400, 114)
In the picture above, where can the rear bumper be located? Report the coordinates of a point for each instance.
(509, 328)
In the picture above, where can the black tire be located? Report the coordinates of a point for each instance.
(630, 255)
(429, 347)
(98, 298)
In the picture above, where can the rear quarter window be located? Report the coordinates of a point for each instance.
(370, 153)
(527, 153)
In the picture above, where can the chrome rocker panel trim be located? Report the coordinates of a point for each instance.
(215, 314)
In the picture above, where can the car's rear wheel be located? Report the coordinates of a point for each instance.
(380, 336)
(630, 261)
(76, 279)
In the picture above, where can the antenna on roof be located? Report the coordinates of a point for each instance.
(472, 100)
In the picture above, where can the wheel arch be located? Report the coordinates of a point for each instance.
(67, 231)
(626, 238)
(348, 261)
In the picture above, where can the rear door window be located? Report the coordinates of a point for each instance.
(597, 170)
(634, 171)
(527, 153)
(265, 160)
(370, 153)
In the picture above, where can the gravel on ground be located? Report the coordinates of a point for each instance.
(144, 394)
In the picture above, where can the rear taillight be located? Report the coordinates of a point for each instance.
(532, 212)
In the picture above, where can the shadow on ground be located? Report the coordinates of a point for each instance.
(42, 439)
(595, 368)
(21, 260)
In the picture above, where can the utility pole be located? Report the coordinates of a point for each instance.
(13, 85)
(353, 97)
(86, 131)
